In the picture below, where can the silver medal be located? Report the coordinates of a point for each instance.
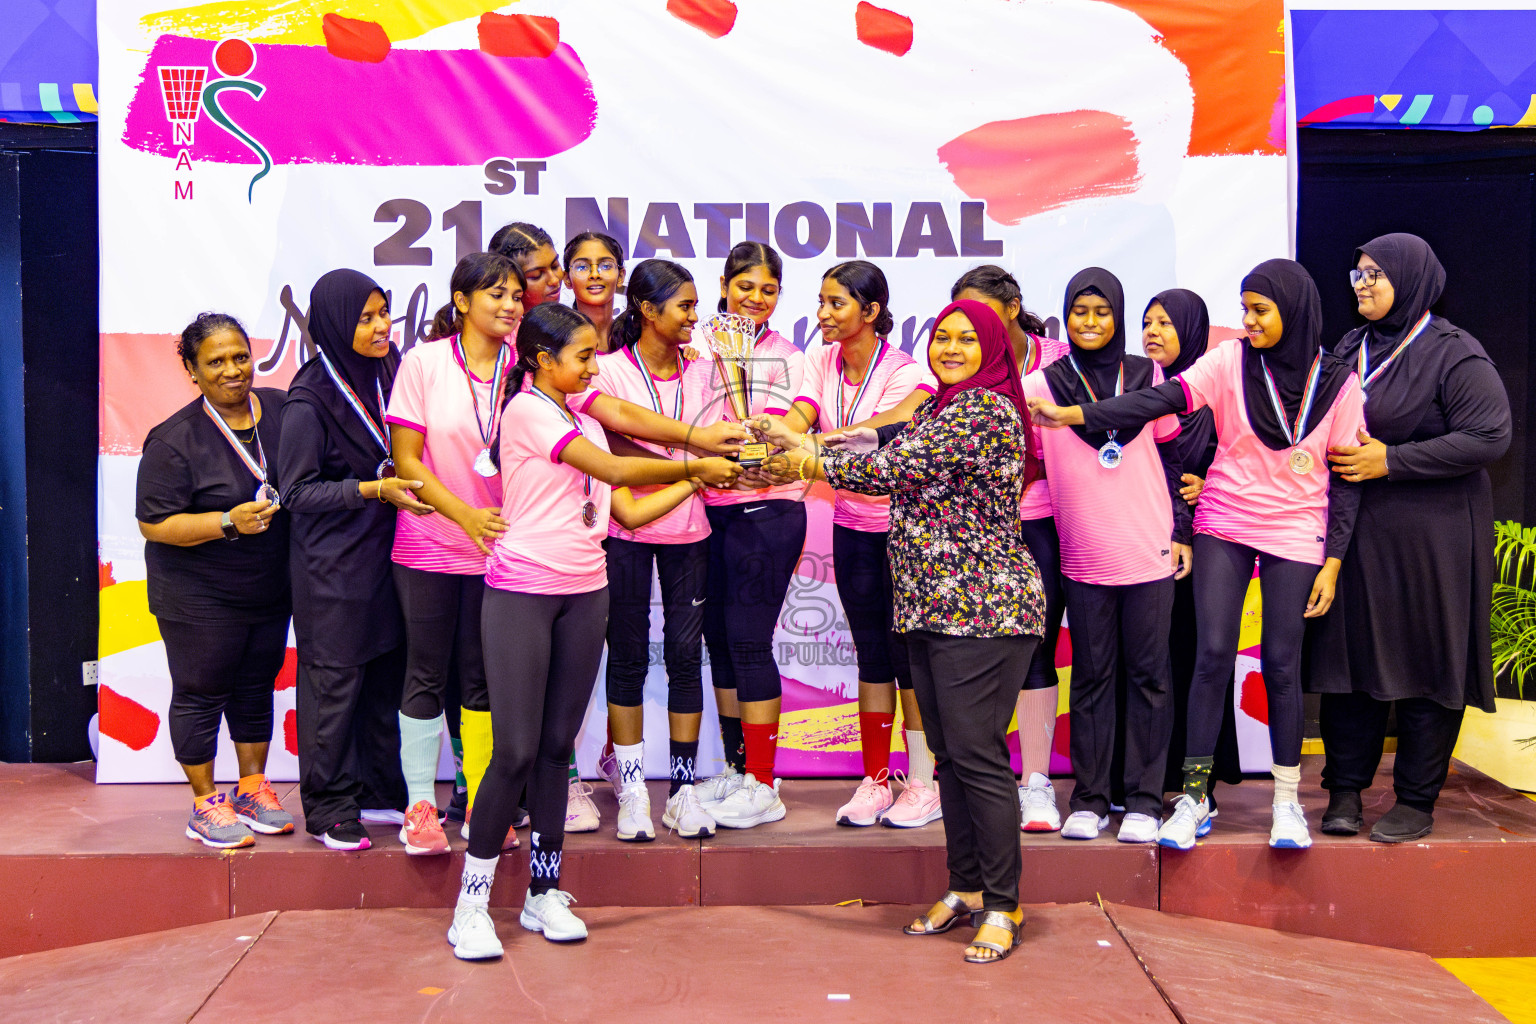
(1111, 454)
(266, 492)
(483, 464)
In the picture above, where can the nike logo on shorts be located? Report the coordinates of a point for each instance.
(747, 511)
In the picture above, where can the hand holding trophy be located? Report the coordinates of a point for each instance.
(731, 337)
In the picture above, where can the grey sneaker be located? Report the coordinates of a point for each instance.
(260, 810)
(213, 823)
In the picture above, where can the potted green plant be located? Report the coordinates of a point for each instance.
(1504, 744)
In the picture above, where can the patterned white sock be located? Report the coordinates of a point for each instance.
(1287, 778)
(919, 757)
(631, 758)
(479, 875)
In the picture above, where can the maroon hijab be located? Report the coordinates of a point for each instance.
(998, 371)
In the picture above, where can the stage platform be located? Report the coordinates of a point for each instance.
(1082, 962)
(84, 862)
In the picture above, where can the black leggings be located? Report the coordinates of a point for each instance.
(862, 569)
(753, 550)
(221, 669)
(1221, 580)
(442, 641)
(682, 569)
(541, 657)
(1045, 548)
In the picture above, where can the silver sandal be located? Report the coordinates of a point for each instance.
(953, 901)
(996, 919)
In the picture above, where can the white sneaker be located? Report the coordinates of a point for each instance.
(1289, 830)
(580, 812)
(635, 814)
(473, 934)
(550, 913)
(755, 803)
(1083, 825)
(686, 816)
(1188, 822)
(713, 791)
(1138, 828)
(1037, 805)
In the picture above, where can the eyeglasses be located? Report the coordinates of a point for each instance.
(1370, 276)
(585, 268)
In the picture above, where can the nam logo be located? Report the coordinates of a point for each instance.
(187, 94)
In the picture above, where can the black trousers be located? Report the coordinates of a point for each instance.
(753, 550)
(1107, 620)
(221, 669)
(1221, 581)
(682, 569)
(541, 655)
(349, 739)
(966, 688)
(442, 641)
(1045, 548)
(1354, 726)
(862, 568)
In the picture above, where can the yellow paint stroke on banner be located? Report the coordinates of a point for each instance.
(125, 619)
(1253, 614)
(297, 22)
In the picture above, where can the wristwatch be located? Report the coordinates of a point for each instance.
(228, 526)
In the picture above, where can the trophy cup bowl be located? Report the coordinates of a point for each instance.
(731, 337)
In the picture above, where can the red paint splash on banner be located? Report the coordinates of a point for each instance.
(291, 733)
(1033, 164)
(883, 29)
(518, 35)
(1254, 699)
(124, 719)
(104, 577)
(288, 675)
(714, 18)
(1061, 742)
(353, 39)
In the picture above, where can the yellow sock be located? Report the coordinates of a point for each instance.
(475, 733)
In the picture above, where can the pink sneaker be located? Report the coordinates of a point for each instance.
(872, 799)
(421, 833)
(917, 805)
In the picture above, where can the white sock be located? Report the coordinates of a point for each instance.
(421, 741)
(919, 757)
(475, 886)
(631, 758)
(1287, 778)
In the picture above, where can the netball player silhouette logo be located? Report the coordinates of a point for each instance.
(187, 93)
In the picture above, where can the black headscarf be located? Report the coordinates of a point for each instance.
(1291, 288)
(335, 304)
(1396, 401)
(1192, 322)
(1101, 366)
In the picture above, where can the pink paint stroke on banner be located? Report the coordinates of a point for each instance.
(414, 108)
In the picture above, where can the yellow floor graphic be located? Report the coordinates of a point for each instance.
(1508, 983)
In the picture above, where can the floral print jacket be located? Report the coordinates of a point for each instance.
(958, 563)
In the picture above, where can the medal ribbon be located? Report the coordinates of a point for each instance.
(845, 415)
(258, 468)
(498, 381)
(1366, 379)
(1294, 434)
(1032, 358)
(357, 404)
(1119, 384)
(653, 391)
(570, 417)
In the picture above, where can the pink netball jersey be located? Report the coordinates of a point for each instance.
(621, 374)
(1251, 496)
(892, 376)
(777, 368)
(1036, 500)
(551, 546)
(436, 396)
(1116, 525)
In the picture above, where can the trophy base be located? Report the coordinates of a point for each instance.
(752, 455)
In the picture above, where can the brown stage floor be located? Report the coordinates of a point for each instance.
(84, 862)
(1079, 963)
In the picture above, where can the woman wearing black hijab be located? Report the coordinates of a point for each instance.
(1411, 631)
(339, 486)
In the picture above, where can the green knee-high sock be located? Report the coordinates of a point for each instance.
(460, 784)
(1197, 776)
(572, 774)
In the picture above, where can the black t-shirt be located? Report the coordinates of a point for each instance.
(189, 466)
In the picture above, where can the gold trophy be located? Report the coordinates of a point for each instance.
(731, 337)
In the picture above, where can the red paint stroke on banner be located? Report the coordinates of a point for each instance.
(288, 675)
(1350, 105)
(1033, 164)
(1063, 648)
(104, 577)
(518, 35)
(883, 29)
(354, 39)
(1254, 700)
(1235, 54)
(714, 18)
(291, 733)
(1061, 741)
(317, 109)
(125, 720)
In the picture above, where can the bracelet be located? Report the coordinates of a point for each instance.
(803, 464)
(380, 493)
